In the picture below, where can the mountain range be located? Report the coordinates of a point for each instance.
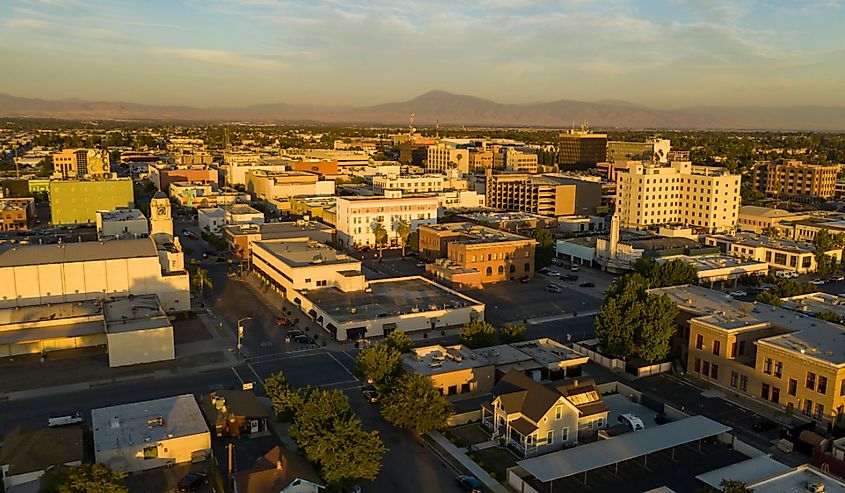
(449, 109)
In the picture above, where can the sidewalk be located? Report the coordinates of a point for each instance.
(468, 463)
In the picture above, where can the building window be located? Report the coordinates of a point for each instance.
(743, 383)
(734, 379)
(822, 388)
(819, 411)
(792, 388)
(767, 366)
(764, 391)
(705, 368)
(808, 407)
(564, 434)
(501, 270)
(778, 369)
(717, 345)
(841, 388)
(550, 436)
(151, 452)
(733, 350)
(775, 395)
(558, 412)
(489, 271)
(699, 341)
(714, 371)
(811, 380)
(697, 365)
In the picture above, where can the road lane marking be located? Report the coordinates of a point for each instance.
(341, 365)
(256, 374)
(237, 375)
(345, 382)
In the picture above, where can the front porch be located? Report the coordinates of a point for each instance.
(518, 434)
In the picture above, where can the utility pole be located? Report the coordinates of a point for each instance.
(241, 332)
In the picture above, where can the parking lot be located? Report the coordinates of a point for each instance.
(314, 367)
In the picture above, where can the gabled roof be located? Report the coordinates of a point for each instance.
(242, 403)
(585, 396)
(520, 394)
(28, 450)
(275, 471)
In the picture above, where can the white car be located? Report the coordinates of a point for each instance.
(737, 294)
(553, 273)
(574, 268)
(633, 422)
(420, 264)
(64, 419)
(817, 282)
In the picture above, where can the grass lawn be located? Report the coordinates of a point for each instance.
(466, 435)
(495, 460)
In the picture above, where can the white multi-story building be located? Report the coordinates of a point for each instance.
(409, 183)
(446, 155)
(356, 216)
(283, 184)
(214, 219)
(122, 223)
(702, 197)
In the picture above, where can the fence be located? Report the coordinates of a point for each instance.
(458, 419)
(644, 371)
(610, 363)
(516, 482)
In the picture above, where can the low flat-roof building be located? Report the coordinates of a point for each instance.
(620, 250)
(17, 214)
(122, 223)
(163, 174)
(788, 360)
(757, 219)
(135, 330)
(284, 184)
(713, 268)
(26, 454)
(149, 434)
(779, 254)
(199, 195)
(460, 371)
(322, 208)
(240, 237)
(523, 223)
(213, 220)
(493, 254)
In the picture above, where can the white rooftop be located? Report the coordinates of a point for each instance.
(126, 425)
(797, 480)
(747, 471)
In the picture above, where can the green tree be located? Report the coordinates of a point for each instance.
(416, 404)
(403, 229)
(87, 478)
(771, 231)
(381, 237)
(672, 273)
(332, 438)
(414, 241)
(512, 333)
(545, 248)
(378, 363)
(201, 280)
(478, 334)
(286, 401)
(768, 297)
(399, 341)
(728, 486)
(654, 327)
(830, 317)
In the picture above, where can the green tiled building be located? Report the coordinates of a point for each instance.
(76, 201)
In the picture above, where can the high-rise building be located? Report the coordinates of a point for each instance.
(357, 216)
(581, 148)
(447, 155)
(651, 150)
(513, 159)
(77, 201)
(547, 195)
(796, 179)
(704, 197)
(81, 164)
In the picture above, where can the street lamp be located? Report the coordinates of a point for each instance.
(241, 332)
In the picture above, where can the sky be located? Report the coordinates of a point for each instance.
(660, 53)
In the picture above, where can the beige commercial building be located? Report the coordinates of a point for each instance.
(469, 255)
(284, 184)
(512, 159)
(546, 195)
(213, 220)
(122, 223)
(200, 195)
(447, 155)
(796, 179)
(150, 434)
(410, 183)
(702, 197)
(81, 164)
(757, 219)
(356, 216)
(329, 288)
(779, 254)
(135, 330)
(240, 237)
(787, 360)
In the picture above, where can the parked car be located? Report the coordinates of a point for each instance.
(737, 294)
(64, 419)
(303, 339)
(837, 279)
(287, 322)
(552, 288)
(574, 268)
(568, 277)
(525, 280)
(587, 284)
(420, 265)
(633, 422)
(764, 425)
(817, 282)
(192, 481)
(553, 273)
(469, 484)
(370, 393)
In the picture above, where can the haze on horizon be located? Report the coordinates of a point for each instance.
(660, 53)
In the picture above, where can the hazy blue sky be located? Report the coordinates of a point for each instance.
(662, 53)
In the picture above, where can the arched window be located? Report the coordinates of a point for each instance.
(489, 271)
(501, 269)
(512, 268)
(527, 267)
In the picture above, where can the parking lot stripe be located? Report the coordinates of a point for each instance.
(345, 382)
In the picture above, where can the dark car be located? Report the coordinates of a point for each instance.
(587, 284)
(469, 484)
(569, 277)
(764, 425)
(303, 339)
(192, 481)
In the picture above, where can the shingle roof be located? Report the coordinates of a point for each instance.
(519, 393)
(582, 387)
(267, 476)
(27, 450)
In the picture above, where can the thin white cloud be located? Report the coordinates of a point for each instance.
(220, 57)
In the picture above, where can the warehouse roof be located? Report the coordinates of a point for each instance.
(22, 255)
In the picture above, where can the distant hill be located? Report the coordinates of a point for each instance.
(449, 110)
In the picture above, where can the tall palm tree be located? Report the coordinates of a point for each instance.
(201, 280)
(381, 237)
(403, 230)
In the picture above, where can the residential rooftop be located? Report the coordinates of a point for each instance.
(388, 297)
(122, 426)
(807, 335)
(299, 252)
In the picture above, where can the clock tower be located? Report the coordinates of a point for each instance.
(161, 220)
